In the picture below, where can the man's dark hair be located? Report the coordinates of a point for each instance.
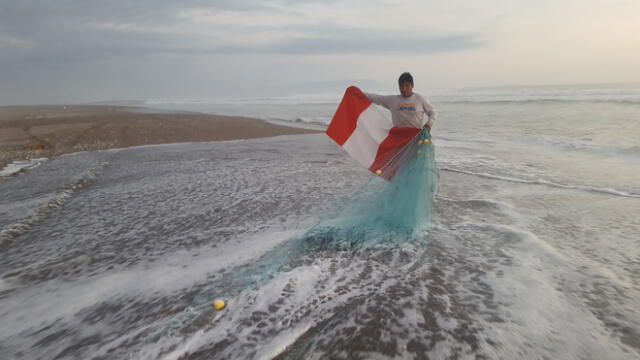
(405, 78)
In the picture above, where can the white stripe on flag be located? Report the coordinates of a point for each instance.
(372, 128)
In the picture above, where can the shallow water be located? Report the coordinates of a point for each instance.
(118, 254)
(533, 252)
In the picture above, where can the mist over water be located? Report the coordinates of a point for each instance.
(533, 251)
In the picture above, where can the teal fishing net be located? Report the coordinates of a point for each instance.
(384, 212)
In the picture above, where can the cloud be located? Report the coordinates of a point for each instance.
(7, 41)
(32, 16)
(374, 42)
(47, 44)
(96, 29)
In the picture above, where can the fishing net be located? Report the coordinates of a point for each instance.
(391, 212)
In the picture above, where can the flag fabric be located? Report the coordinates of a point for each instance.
(367, 133)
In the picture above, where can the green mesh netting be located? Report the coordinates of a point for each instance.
(385, 213)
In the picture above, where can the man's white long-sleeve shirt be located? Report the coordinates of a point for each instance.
(406, 111)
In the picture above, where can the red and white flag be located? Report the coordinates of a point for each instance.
(366, 132)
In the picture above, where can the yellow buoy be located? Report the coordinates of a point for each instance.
(427, 141)
(420, 141)
(379, 172)
(218, 304)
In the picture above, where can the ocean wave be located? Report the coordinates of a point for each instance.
(633, 101)
(316, 120)
(334, 102)
(20, 166)
(13, 231)
(331, 99)
(633, 150)
(588, 188)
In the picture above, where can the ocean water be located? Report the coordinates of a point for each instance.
(533, 252)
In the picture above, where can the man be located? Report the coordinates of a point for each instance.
(408, 108)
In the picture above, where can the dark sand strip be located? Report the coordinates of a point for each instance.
(28, 132)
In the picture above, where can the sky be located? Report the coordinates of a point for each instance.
(71, 51)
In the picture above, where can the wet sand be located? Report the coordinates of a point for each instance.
(28, 132)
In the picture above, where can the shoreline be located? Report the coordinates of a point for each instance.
(48, 131)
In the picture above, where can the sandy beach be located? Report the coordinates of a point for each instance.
(45, 131)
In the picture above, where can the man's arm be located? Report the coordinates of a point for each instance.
(377, 99)
(431, 113)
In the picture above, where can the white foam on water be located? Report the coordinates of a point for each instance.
(544, 182)
(538, 311)
(239, 310)
(6, 285)
(279, 344)
(41, 304)
(21, 165)
(20, 227)
(312, 124)
(189, 345)
(287, 307)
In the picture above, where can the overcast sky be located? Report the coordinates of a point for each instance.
(54, 51)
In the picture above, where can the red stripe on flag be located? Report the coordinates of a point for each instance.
(398, 137)
(344, 122)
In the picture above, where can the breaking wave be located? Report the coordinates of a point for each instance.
(12, 231)
(588, 188)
